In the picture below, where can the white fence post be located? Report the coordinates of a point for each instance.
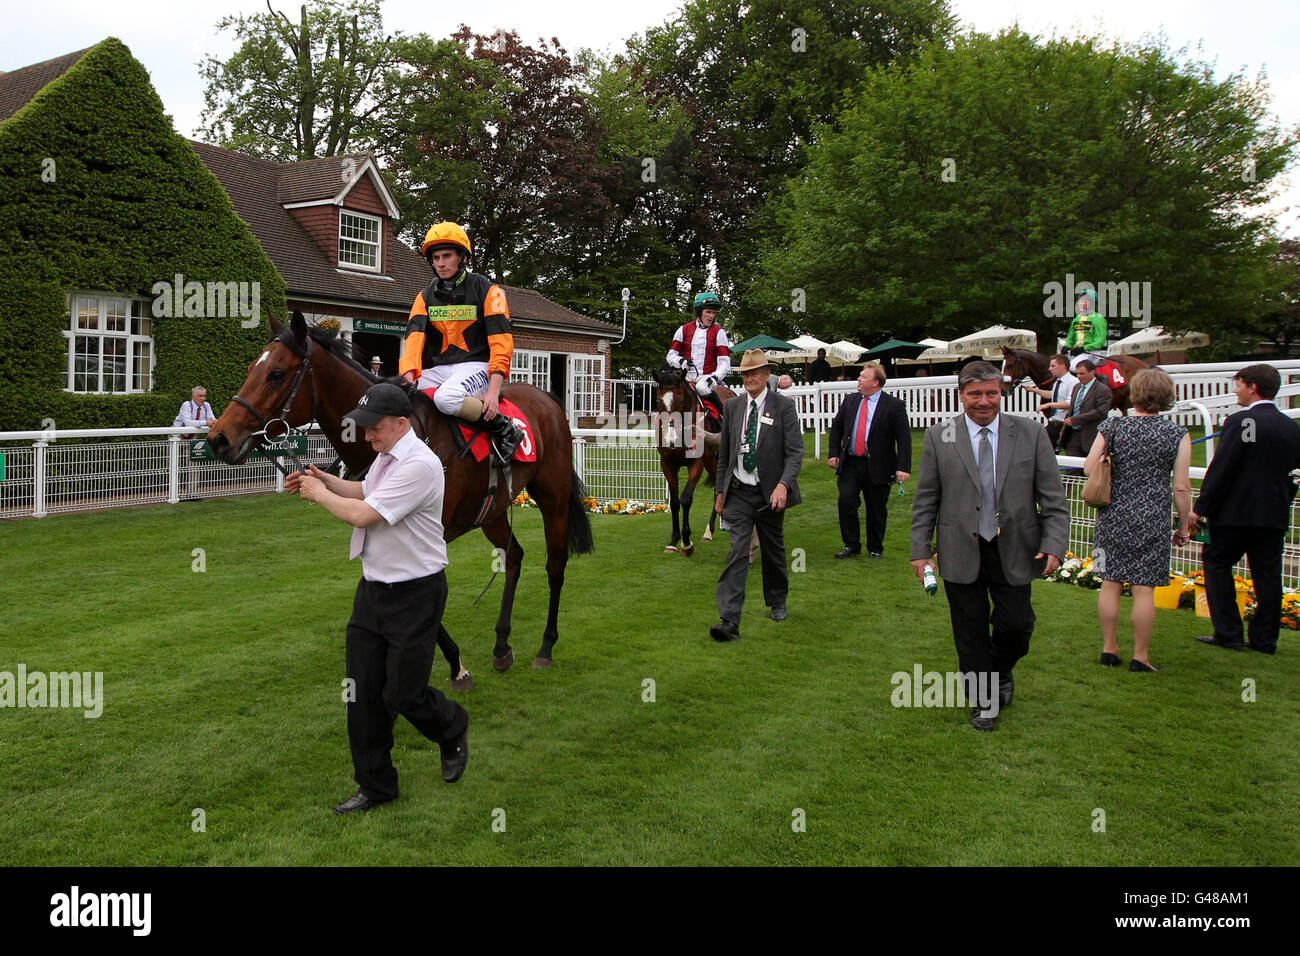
(580, 458)
(38, 478)
(173, 469)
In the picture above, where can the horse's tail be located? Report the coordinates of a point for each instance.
(579, 524)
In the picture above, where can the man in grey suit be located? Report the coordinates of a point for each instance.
(989, 483)
(1089, 403)
(759, 458)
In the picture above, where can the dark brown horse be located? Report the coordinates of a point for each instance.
(1019, 364)
(682, 433)
(304, 376)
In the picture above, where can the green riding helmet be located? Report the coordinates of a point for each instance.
(707, 300)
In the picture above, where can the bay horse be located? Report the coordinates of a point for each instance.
(1018, 364)
(306, 375)
(679, 413)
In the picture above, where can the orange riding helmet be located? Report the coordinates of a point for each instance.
(446, 234)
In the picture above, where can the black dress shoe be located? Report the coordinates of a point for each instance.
(875, 554)
(1111, 660)
(726, 631)
(1230, 645)
(1006, 690)
(358, 803)
(980, 722)
(1138, 667)
(779, 613)
(1262, 650)
(455, 756)
(848, 552)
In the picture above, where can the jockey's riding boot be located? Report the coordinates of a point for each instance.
(504, 435)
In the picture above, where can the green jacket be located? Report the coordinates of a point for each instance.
(1087, 332)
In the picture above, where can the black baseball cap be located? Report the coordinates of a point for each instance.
(379, 401)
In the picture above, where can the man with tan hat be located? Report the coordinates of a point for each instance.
(759, 458)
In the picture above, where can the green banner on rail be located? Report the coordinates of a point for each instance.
(2, 466)
(297, 444)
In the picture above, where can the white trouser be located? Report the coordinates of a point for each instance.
(1096, 357)
(454, 382)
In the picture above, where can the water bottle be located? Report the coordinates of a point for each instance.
(929, 581)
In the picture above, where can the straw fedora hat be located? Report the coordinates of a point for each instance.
(754, 358)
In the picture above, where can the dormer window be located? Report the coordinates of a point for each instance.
(359, 241)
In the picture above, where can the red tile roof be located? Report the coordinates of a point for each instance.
(19, 86)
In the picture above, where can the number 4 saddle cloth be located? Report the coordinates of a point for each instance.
(1111, 374)
(478, 441)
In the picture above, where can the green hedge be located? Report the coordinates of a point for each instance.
(130, 204)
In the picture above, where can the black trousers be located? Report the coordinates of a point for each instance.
(391, 641)
(747, 508)
(1263, 546)
(1011, 619)
(1054, 428)
(854, 483)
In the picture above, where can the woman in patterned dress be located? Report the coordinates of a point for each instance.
(1131, 539)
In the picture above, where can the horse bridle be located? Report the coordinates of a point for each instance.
(303, 373)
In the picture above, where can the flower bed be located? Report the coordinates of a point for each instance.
(623, 506)
(1079, 571)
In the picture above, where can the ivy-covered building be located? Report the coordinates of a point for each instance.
(135, 264)
(109, 222)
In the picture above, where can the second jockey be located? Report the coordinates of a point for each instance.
(458, 339)
(701, 348)
(1087, 335)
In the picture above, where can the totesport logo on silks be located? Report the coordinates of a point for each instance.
(453, 313)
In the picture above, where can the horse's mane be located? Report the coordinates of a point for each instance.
(345, 352)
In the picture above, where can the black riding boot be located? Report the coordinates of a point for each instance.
(504, 435)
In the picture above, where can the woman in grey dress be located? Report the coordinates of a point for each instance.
(1131, 540)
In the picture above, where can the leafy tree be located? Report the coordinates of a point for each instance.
(954, 190)
(296, 91)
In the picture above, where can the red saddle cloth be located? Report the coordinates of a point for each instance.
(710, 405)
(478, 441)
(1112, 374)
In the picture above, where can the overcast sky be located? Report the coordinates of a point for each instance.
(170, 37)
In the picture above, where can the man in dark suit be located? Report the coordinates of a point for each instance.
(989, 483)
(820, 369)
(1089, 404)
(1246, 496)
(871, 440)
(759, 459)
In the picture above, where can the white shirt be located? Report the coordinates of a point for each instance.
(409, 542)
(739, 472)
(193, 415)
(1262, 401)
(1062, 389)
(973, 431)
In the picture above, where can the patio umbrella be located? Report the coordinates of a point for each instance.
(1157, 339)
(987, 342)
(767, 343)
(806, 347)
(894, 348)
(847, 352)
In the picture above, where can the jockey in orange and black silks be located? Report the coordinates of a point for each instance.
(458, 338)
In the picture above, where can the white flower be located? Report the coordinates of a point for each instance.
(1064, 573)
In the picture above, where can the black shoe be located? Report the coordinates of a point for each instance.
(779, 613)
(980, 722)
(358, 803)
(726, 631)
(1229, 645)
(875, 554)
(1006, 690)
(1138, 667)
(848, 552)
(1262, 650)
(505, 436)
(1111, 660)
(455, 755)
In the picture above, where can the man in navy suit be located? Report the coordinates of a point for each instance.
(872, 444)
(1246, 496)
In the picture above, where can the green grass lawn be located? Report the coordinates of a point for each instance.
(223, 693)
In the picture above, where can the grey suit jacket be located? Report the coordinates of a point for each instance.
(780, 445)
(1095, 407)
(1030, 498)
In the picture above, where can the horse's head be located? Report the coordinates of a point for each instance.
(670, 396)
(1013, 370)
(278, 393)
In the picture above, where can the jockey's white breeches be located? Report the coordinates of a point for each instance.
(454, 383)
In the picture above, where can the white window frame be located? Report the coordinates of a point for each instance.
(531, 368)
(582, 370)
(377, 244)
(101, 332)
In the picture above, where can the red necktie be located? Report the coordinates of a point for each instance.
(860, 436)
